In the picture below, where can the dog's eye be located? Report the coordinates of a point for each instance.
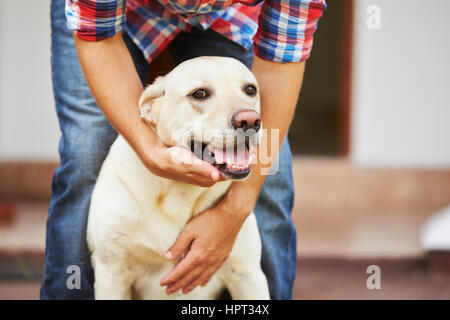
(250, 90)
(200, 94)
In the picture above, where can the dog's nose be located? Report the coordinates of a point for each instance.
(246, 119)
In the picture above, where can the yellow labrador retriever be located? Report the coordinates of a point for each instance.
(210, 105)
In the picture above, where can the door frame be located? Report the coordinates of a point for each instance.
(345, 76)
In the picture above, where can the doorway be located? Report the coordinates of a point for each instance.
(321, 125)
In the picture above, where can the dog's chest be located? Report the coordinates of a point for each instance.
(180, 201)
(166, 210)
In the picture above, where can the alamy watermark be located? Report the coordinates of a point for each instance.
(74, 279)
(374, 280)
(373, 21)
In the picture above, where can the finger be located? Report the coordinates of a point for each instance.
(182, 155)
(189, 262)
(199, 180)
(203, 278)
(188, 278)
(206, 279)
(180, 245)
(198, 166)
(206, 170)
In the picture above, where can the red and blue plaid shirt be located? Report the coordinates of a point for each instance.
(281, 30)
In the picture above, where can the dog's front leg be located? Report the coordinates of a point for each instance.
(246, 282)
(111, 282)
(242, 273)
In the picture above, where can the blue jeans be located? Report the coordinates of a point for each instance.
(85, 142)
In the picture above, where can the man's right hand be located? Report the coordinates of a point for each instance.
(179, 163)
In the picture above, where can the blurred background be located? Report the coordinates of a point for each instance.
(371, 142)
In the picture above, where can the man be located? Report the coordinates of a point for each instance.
(99, 88)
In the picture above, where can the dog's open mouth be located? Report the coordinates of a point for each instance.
(233, 161)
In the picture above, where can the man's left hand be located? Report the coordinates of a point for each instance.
(211, 236)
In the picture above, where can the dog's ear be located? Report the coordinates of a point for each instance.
(148, 97)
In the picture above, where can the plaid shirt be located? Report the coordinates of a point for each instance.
(281, 30)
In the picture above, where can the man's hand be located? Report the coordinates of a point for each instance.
(211, 236)
(179, 163)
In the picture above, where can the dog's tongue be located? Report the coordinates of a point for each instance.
(239, 157)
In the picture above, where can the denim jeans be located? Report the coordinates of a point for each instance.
(85, 142)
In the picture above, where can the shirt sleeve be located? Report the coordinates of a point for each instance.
(95, 20)
(286, 29)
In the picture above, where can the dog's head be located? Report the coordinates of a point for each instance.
(210, 105)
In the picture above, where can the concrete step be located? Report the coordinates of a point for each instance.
(334, 278)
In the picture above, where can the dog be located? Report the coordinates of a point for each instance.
(135, 216)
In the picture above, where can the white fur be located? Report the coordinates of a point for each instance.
(135, 216)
